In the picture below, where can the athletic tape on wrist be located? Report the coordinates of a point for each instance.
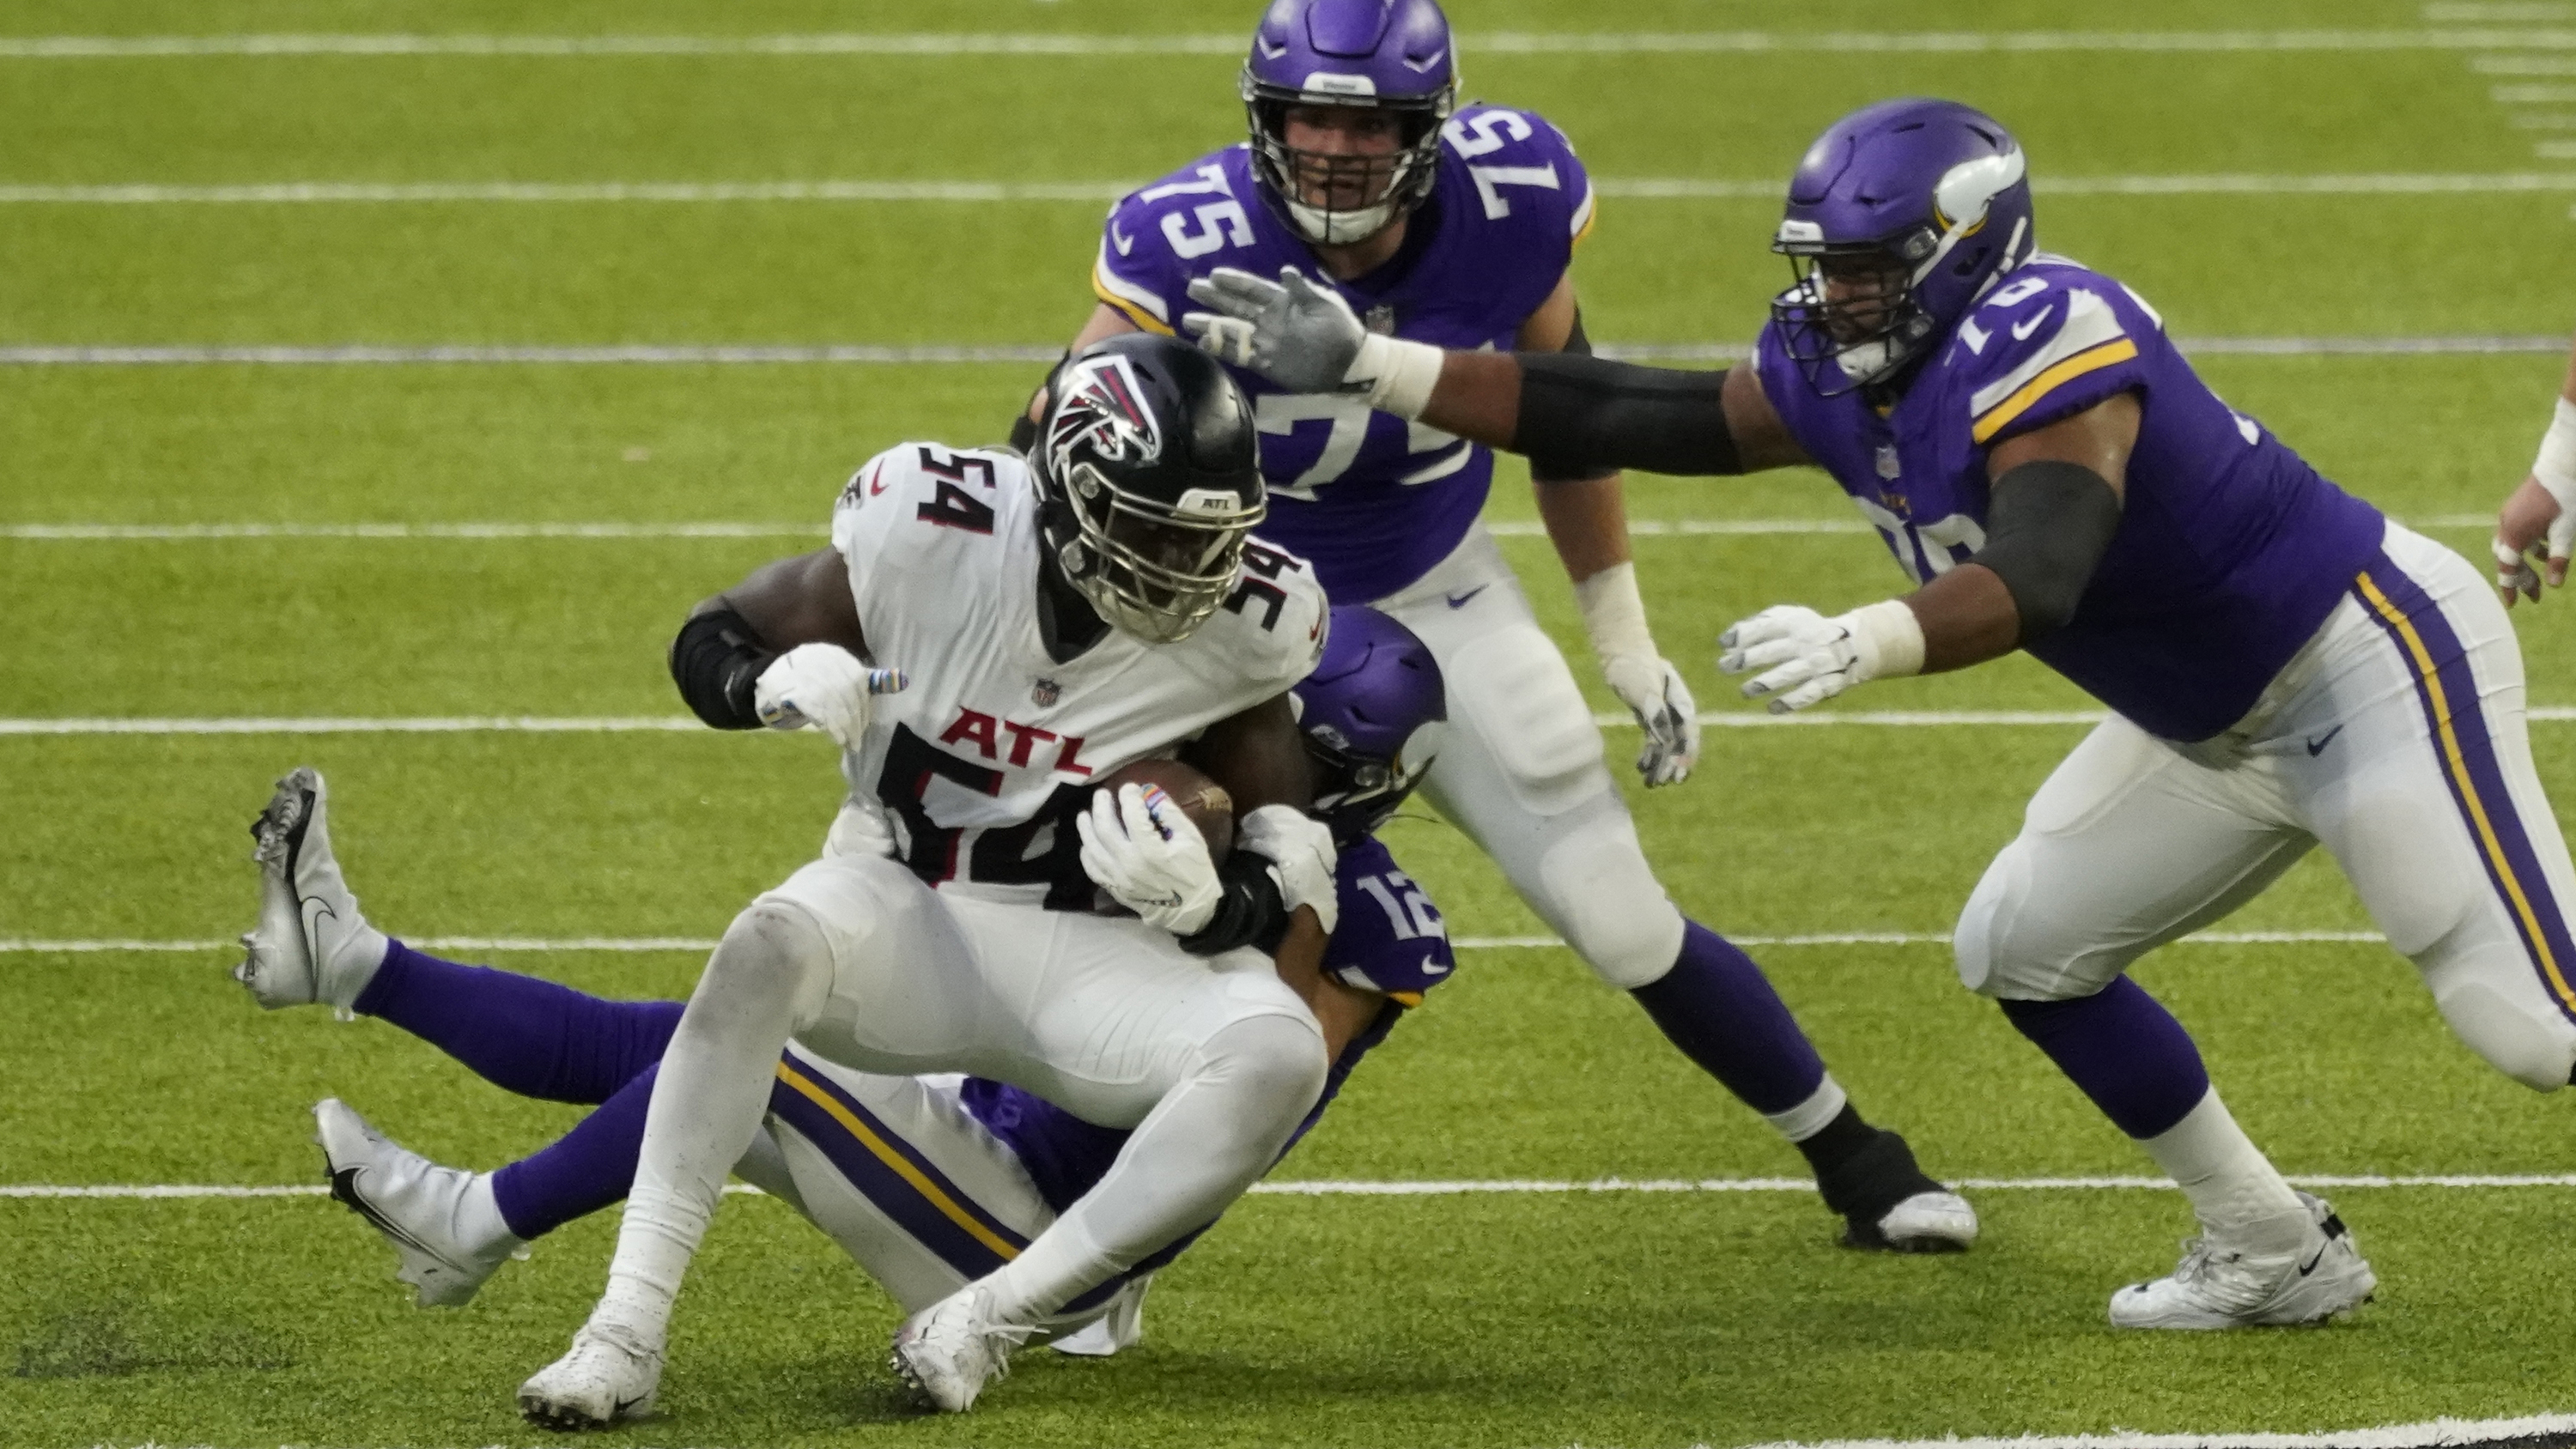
(1887, 640)
(2556, 465)
(1400, 374)
(1614, 616)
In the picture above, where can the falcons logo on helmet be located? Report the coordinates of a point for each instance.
(1102, 405)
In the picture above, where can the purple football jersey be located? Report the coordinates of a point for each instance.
(1371, 500)
(2231, 550)
(1389, 939)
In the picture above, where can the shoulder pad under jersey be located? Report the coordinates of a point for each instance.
(1159, 236)
(2051, 340)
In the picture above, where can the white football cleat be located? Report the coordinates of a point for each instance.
(311, 943)
(1929, 1222)
(443, 1226)
(608, 1378)
(2220, 1285)
(947, 1352)
(1119, 1325)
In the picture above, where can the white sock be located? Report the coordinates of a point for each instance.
(1813, 1115)
(2234, 1190)
(479, 1223)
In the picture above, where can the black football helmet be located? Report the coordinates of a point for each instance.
(1148, 482)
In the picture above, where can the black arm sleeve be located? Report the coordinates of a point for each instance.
(1576, 345)
(1250, 914)
(2046, 530)
(1582, 417)
(715, 661)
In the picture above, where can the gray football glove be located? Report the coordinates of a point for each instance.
(1303, 337)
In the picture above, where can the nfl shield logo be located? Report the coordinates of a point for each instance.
(1380, 319)
(1045, 693)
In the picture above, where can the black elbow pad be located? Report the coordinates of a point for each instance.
(2047, 526)
(716, 660)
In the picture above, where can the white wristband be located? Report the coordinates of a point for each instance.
(2556, 465)
(1613, 614)
(1399, 374)
(1887, 640)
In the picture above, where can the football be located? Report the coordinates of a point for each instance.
(1202, 799)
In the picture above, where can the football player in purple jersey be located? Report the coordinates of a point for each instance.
(1455, 227)
(928, 1182)
(2286, 666)
(2540, 516)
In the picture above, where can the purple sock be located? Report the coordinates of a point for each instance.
(2124, 1050)
(582, 1171)
(519, 1033)
(1720, 1010)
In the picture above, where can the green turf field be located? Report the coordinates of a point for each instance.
(1500, 1318)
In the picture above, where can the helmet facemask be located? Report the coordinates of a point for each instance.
(1853, 306)
(1338, 199)
(1359, 792)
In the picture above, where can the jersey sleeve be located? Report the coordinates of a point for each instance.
(851, 536)
(1156, 233)
(1276, 619)
(907, 509)
(2045, 347)
(1390, 938)
(1516, 178)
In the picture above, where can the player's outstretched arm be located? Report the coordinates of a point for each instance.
(1578, 415)
(2540, 515)
(783, 648)
(2055, 502)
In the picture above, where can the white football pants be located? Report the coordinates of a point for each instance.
(2396, 738)
(1212, 1062)
(899, 1174)
(1521, 771)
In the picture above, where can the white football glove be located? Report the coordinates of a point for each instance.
(823, 685)
(1807, 658)
(1139, 845)
(1653, 691)
(1300, 850)
(2520, 530)
(1306, 339)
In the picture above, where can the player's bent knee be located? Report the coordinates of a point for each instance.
(2005, 950)
(1604, 899)
(775, 949)
(1274, 1062)
(2537, 1051)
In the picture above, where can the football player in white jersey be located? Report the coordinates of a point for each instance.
(1455, 225)
(1051, 622)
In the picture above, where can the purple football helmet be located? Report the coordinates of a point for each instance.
(1393, 56)
(1901, 216)
(1373, 714)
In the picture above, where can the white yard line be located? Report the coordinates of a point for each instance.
(694, 945)
(767, 354)
(681, 724)
(1460, 1188)
(1095, 193)
(213, 532)
(1231, 43)
(2430, 1434)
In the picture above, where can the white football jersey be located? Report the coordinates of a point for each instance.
(980, 763)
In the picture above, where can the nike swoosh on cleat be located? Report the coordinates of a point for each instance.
(2318, 745)
(2310, 1266)
(619, 1412)
(1459, 601)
